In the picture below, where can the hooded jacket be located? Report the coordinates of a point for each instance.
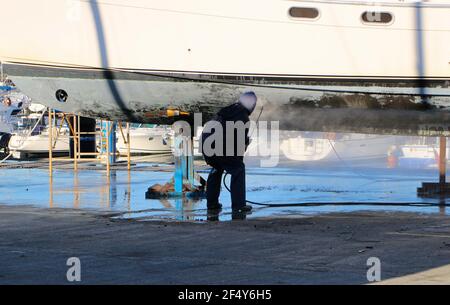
(232, 113)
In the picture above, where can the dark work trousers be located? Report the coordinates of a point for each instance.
(236, 168)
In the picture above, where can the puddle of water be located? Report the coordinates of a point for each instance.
(125, 192)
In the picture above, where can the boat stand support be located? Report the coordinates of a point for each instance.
(442, 188)
(185, 182)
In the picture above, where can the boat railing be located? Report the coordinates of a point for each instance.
(22, 133)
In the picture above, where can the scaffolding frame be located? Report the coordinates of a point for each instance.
(76, 134)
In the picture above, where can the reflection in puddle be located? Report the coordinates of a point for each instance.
(123, 192)
(182, 209)
(50, 192)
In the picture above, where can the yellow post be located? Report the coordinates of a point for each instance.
(128, 148)
(50, 141)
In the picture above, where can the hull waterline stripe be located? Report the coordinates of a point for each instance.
(239, 79)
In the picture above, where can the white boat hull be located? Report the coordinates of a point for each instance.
(146, 141)
(350, 148)
(22, 146)
(419, 156)
(334, 73)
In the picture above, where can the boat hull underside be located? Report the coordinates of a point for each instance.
(364, 106)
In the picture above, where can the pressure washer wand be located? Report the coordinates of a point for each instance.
(257, 121)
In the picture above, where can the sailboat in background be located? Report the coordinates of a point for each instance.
(30, 137)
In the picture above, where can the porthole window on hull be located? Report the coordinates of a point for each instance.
(304, 12)
(377, 17)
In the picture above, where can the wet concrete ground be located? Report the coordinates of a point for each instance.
(325, 249)
(347, 189)
(121, 237)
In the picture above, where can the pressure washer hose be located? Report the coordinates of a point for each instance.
(262, 204)
(312, 204)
